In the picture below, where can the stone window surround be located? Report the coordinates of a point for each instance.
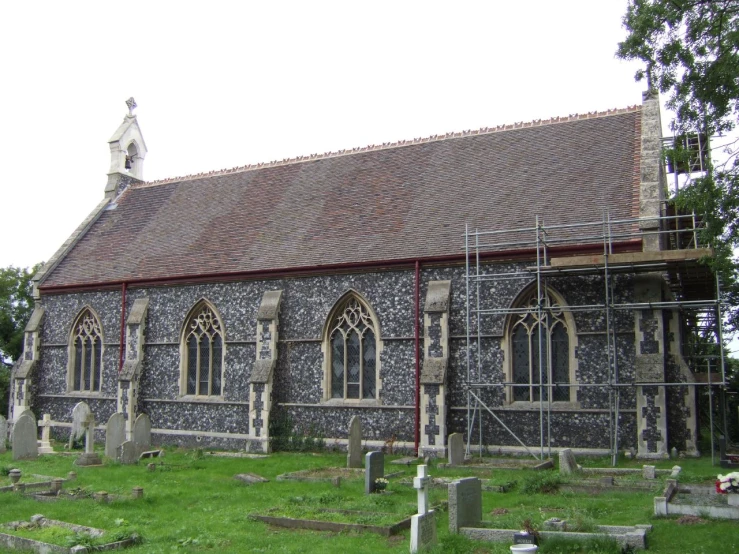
(340, 305)
(183, 396)
(71, 358)
(506, 347)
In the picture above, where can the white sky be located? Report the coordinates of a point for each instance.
(223, 84)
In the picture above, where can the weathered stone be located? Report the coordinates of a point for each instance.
(465, 503)
(437, 297)
(423, 531)
(648, 472)
(606, 481)
(354, 443)
(25, 445)
(126, 453)
(567, 463)
(88, 459)
(45, 446)
(250, 478)
(115, 434)
(151, 454)
(3, 434)
(675, 472)
(142, 433)
(137, 492)
(456, 449)
(374, 468)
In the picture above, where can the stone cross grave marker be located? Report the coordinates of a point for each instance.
(25, 438)
(354, 443)
(374, 468)
(142, 433)
(115, 434)
(465, 503)
(83, 423)
(45, 446)
(423, 524)
(3, 434)
(456, 449)
(567, 463)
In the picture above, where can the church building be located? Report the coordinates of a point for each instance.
(455, 283)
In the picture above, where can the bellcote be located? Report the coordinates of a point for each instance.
(127, 153)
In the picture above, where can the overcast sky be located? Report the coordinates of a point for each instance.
(224, 84)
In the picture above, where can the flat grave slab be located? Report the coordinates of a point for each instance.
(486, 464)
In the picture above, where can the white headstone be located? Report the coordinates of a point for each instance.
(3, 434)
(421, 484)
(456, 449)
(142, 434)
(81, 415)
(423, 531)
(354, 443)
(115, 434)
(45, 446)
(25, 438)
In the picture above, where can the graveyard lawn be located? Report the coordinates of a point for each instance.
(193, 503)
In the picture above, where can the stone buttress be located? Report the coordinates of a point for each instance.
(434, 371)
(23, 372)
(261, 381)
(130, 375)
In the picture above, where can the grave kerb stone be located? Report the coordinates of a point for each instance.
(354, 443)
(374, 468)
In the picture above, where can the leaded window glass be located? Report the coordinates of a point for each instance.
(86, 353)
(203, 353)
(541, 336)
(353, 347)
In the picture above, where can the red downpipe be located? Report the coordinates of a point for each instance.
(123, 326)
(417, 427)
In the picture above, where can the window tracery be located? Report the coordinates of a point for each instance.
(86, 353)
(203, 353)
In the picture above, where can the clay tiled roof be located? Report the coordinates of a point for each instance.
(398, 201)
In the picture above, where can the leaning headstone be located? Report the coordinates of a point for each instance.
(3, 434)
(675, 472)
(25, 441)
(250, 478)
(567, 463)
(126, 453)
(115, 434)
(142, 433)
(374, 468)
(648, 472)
(354, 443)
(45, 446)
(465, 503)
(456, 449)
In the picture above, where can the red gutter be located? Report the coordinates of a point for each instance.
(417, 426)
(626, 246)
(123, 327)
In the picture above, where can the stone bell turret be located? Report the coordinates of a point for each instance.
(127, 153)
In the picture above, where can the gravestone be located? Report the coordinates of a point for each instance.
(3, 434)
(648, 472)
(142, 434)
(115, 434)
(83, 423)
(354, 443)
(126, 453)
(45, 446)
(374, 468)
(423, 524)
(25, 438)
(567, 463)
(465, 503)
(456, 449)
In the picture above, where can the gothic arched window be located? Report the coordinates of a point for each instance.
(535, 335)
(202, 348)
(86, 353)
(352, 346)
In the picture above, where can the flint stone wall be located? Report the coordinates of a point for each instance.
(299, 371)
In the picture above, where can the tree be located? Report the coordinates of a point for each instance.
(16, 306)
(690, 49)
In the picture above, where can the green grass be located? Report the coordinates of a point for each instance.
(192, 503)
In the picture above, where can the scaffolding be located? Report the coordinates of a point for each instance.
(696, 292)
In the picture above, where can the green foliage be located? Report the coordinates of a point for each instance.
(541, 482)
(691, 52)
(286, 437)
(598, 545)
(16, 305)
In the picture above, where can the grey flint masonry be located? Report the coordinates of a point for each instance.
(295, 296)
